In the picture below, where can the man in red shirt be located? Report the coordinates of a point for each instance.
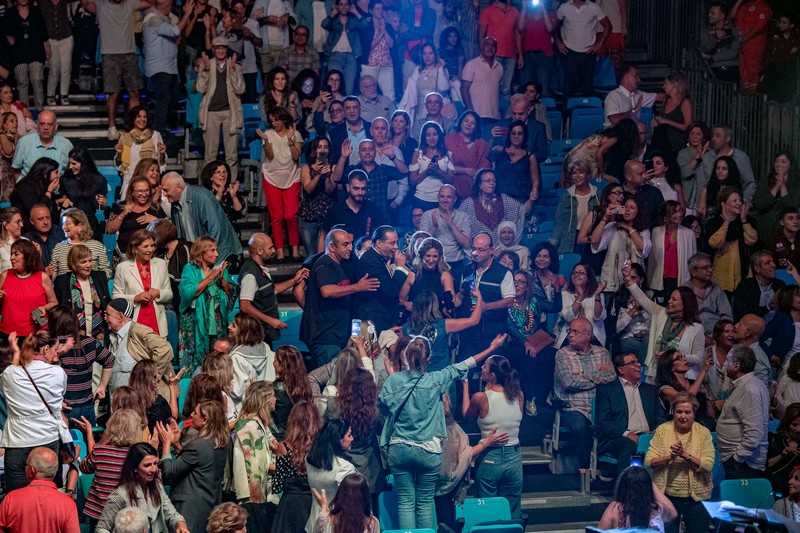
(500, 21)
(43, 507)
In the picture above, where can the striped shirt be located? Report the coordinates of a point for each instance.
(105, 462)
(99, 257)
(78, 367)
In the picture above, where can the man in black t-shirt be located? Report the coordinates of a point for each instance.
(356, 213)
(325, 326)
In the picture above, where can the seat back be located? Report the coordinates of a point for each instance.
(549, 103)
(567, 262)
(184, 384)
(644, 443)
(556, 121)
(497, 528)
(480, 510)
(387, 510)
(172, 331)
(750, 493)
(562, 146)
(584, 101)
(585, 121)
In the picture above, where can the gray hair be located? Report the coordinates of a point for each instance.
(131, 520)
(744, 356)
(757, 257)
(727, 130)
(697, 258)
(519, 99)
(174, 176)
(44, 461)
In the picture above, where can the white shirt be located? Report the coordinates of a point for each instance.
(637, 421)
(29, 422)
(578, 29)
(123, 362)
(621, 100)
(273, 35)
(506, 286)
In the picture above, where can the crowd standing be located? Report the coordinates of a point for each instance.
(402, 144)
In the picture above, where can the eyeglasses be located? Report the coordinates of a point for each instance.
(631, 363)
(618, 193)
(705, 267)
(578, 274)
(480, 250)
(520, 282)
(679, 357)
(337, 111)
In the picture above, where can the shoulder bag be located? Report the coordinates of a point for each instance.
(66, 448)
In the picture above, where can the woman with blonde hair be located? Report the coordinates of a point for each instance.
(126, 397)
(85, 291)
(227, 518)
(10, 231)
(432, 273)
(219, 366)
(207, 296)
(105, 459)
(681, 456)
(196, 473)
(253, 449)
(252, 358)
(78, 231)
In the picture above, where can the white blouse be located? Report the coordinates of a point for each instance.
(29, 422)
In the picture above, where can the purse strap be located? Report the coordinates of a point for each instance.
(39, 392)
(405, 401)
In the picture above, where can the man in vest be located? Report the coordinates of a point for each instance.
(259, 296)
(496, 285)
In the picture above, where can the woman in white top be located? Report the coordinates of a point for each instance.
(281, 175)
(33, 420)
(327, 463)
(252, 358)
(667, 178)
(431, 166)
(672, 246)
(144, 280)
(498, 410)
(10, 231)
(625, 237)
(429, 76)
(78, 231)
(582, 297)
(676, 326)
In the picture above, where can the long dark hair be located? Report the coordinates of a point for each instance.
(691, 311)
(351, 508)
(793, 170)
(591, 279)
(356, 399)
(39, 174)
(634, 493)
(673, 173)
(129, 481)
(294, 375)
(311, 151)
(300, 79)
(88, 174)
(440, 146)
(639, 223)
(327, 444)
(664, 373)
(505, 376)
(792, 412)
(715, 186)
(627, 135)
(133, 113)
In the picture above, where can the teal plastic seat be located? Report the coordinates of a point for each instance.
(184, 384)
(749, 493)
(476, 511)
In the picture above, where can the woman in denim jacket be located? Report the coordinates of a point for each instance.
(411, 401)
(343, 45)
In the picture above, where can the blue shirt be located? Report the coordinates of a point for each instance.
(160, 45)
(30, 148)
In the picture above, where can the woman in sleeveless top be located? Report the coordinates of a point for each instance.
(431, 273)
(637, 503)
(498, 410)
(24, 289)
(669, 127)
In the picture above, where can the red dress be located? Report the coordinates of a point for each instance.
(147, 311)
(23, 295)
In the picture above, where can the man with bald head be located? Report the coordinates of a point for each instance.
(196, 212)
(636, 187)
(580, 367)
(39, 506)
(748, 331)
(259, 296)
(325, 326)
(46, 142)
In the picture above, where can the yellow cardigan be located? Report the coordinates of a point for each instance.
(700, 483)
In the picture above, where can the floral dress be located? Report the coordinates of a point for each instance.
(251, 460)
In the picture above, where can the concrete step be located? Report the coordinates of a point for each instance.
(533, 455)
(66, 121)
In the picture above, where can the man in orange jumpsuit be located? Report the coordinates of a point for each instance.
(752, 18)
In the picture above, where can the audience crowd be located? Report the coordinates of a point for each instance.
(402, 154)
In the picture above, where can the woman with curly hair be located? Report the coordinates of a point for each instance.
(350, 511)
(726, 174)
(356, 404)
(227, 518)
(290, 479)
(782, 458)
(291, 386)
(216, 177)
(253, 448)
(638, 503)
(139, 141)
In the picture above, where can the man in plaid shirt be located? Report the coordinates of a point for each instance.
(580, 367)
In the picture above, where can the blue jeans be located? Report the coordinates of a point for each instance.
(86, 410)
(509, 67)
(309, 234)
(500, 474)
(538, 67)
(415, 474)
(347, 64)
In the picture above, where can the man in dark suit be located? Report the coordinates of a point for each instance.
(354, 128)
(537, 132)
(387, 264)
(626, 408)
(756, 294)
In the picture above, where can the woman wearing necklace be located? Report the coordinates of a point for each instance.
(531, 346)
(468, 151)
(216, 177)
(139, 141)
(681, 456)
(790, 505)
(278, 93)
(134, 214)
(718, 382)
(671, 380)
(25, 289)
(676, 326)
(84, 291)
(488, 207)
(144, 280)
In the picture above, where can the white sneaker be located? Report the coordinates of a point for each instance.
(113, 134)
(530, 407)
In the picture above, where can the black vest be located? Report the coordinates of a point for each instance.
(492, 322)
(265, 299)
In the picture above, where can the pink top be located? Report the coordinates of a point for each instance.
(670, 258)
(502, 25)
(21, 298)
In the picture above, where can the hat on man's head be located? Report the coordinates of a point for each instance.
(122, 305)
(219, 40)
(387, 338)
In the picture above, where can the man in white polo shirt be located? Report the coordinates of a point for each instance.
(627, 101)
(480, 82)
(578, 43)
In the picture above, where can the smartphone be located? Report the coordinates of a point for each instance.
(648, 164)
(471, 292)
(326, 88)
(355, 328)
(323, 158)
(39, 317)
(782, 262)
(637, 460)
(503, 132)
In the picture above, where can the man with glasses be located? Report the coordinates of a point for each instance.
(299, 56)
(132, 342)
(626, 408)
(580, 367)
(496, 285)
(712, 303)
(373, 105)
(335, 112)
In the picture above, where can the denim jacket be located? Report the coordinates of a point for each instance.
(422, 418)
(335, 28)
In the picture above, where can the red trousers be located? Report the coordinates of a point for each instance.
(282, 205)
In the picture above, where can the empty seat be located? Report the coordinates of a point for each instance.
(556, 123)
(567, 262)
(584, 101)
(562, 146)
(750, 493)
(476, 511)
(549, 103)
(585, 121)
